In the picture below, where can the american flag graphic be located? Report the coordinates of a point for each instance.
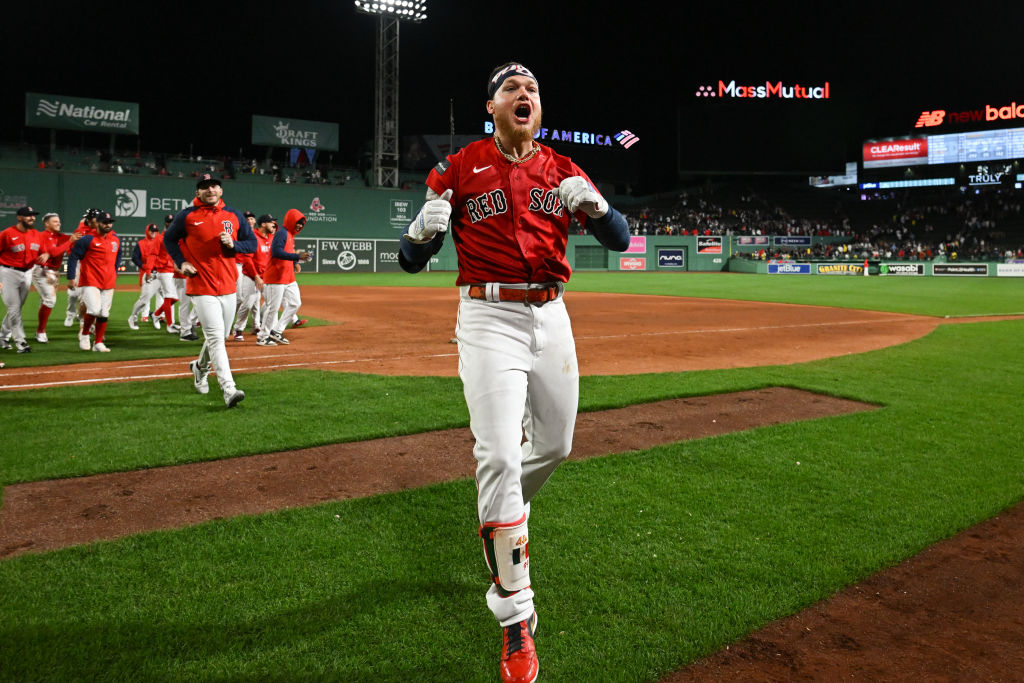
(627, 139)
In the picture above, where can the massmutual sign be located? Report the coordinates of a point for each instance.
(79, 113)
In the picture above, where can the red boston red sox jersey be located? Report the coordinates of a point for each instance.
(508, 223)
(256, 262)
(19, 249)
(196, 233)
(56, 244)
(99, 257)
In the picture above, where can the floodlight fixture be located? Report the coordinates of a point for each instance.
(404, 10)
(389, 13)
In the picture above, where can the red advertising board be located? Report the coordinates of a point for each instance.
(896, 152)
(632, 263)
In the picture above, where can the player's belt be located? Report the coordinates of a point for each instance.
(536, 295)
(26, 268)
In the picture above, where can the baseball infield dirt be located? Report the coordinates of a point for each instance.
(952, 613)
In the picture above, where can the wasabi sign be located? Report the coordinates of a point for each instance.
(79, 113)
(285, 132)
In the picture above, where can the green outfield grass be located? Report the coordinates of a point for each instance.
(643, 561)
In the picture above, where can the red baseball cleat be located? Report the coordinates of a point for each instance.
(299, 323)
(518, 653)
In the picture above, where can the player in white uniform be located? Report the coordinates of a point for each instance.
(512, 201)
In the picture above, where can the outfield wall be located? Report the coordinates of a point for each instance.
(356, 229)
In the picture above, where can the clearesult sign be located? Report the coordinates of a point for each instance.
(79, 113)
(287, 132)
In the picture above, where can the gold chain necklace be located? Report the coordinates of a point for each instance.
(517, 160)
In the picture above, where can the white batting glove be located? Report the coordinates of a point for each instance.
(577, 195)
(432, 219)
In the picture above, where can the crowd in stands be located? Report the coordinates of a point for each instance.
(952, 226)
(141, 163)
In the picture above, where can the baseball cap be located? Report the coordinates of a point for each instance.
(249, 214)
(153, 227)
(105, 217)
(265, 218)
(207, 179)
(27, 211)
(91, 213)
(168, 218)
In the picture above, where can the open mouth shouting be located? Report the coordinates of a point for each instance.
(522, 112)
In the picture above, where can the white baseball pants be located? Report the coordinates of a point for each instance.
(148, 290)
(45, 281)
(216, 314)
(248, 301)
(97, 301)
(16, 284)
(283, 297)
(520, 377)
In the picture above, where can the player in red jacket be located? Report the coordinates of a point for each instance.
(512, 201)
(250, 284)
(280, 290)
(203, 240)
(19, 249)
(46, 273)
(149, 285)
(87, 226)
(97, 258)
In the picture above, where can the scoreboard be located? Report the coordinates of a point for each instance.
(952, 148)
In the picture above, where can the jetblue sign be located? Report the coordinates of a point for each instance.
(789, 268)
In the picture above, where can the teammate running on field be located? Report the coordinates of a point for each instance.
(46, 273)
(250, 284)
(203, 240)
(512, 200)
(149, 286)
(281, 291)
(19, 249)
(97, 258)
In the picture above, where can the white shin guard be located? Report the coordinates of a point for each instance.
(507, 551)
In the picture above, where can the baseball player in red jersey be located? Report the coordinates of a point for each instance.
(97, 258)
(149, 285)
(281, 291)
(87, 226)
(19, 248)
(511, 201)
(46, 273)
(202, 240)
(250, 284)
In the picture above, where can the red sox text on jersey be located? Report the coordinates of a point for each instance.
(508, 222)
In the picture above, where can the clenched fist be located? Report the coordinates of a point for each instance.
(432, 219)
(577, 195)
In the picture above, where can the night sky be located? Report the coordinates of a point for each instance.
(201, 71)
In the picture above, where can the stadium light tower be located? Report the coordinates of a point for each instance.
(385, 140)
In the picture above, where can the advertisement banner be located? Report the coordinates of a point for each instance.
(789, 268)
(839, 269)
(632, 263)
(1010, 269)
(792, 240)
(761, 240)
(288, 132)
(709, 245)
(672, 258)
(901, 269)
(637, 245)
(969, 269)
(80, 113)
(901, 152)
